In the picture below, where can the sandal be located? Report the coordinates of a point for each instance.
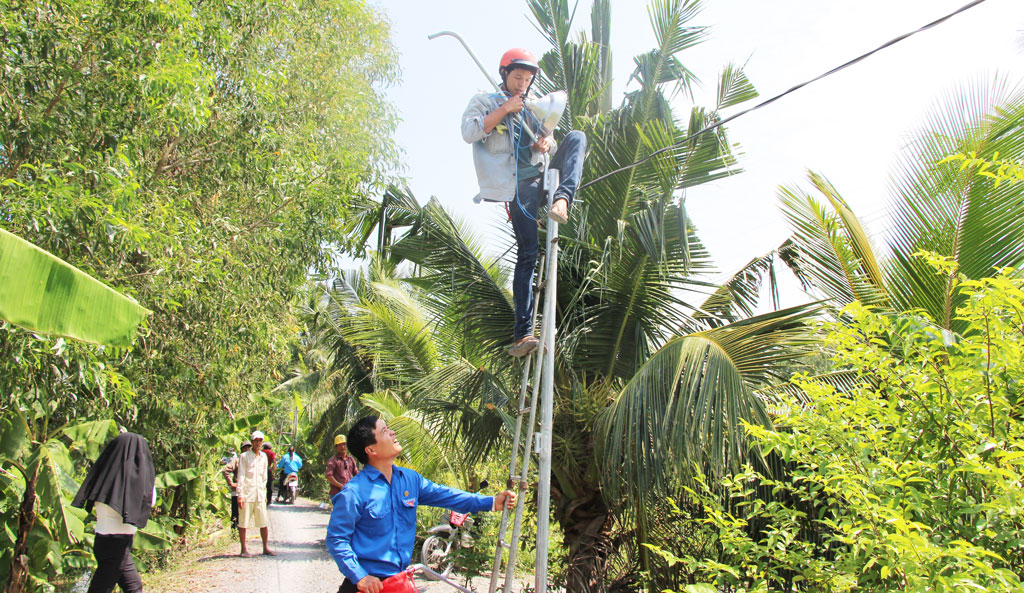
(524, 346)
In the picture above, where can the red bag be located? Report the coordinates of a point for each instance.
(457, 519)
(399, 583)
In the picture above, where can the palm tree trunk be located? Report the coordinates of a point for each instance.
(586, 524)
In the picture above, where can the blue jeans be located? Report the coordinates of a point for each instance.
(568, 159)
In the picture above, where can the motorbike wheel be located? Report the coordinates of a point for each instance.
(436, 553)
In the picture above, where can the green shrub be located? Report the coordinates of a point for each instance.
(911, 481)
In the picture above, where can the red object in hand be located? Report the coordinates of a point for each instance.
(399, 583)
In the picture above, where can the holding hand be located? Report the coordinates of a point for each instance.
(543, 144)
(505, 499)
(369, 584)
(514, 104)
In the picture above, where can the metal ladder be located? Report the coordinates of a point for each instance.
(542, 363)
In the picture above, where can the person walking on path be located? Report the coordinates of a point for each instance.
(120, 489)
(341, 467)
(252, 503)
(509, 167)
(231, 475)
(373, 523)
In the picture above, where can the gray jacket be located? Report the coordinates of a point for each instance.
(492, 153)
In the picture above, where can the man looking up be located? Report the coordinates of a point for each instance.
(341, 468)
(373, 523)
(508, 168)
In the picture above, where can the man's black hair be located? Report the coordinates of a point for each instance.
(266, 446)
(361, 436)
(246, 444)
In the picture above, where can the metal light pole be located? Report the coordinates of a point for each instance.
(545, 369)
(547, 388)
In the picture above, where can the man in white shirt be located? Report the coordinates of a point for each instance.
(252, 494)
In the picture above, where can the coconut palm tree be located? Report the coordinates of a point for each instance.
(653, 378)
(629, 284)
(938, 208)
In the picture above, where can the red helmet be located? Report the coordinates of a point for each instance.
(517, 57)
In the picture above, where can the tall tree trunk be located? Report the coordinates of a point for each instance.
(586, 524)
(26, 518)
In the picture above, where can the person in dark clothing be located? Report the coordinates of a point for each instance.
(120, 489)
(271, 459)
(231, 475)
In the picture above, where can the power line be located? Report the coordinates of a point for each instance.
(783, 94)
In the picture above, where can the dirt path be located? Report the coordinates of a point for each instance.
(302, 563)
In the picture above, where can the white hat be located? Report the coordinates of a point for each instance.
(257, 435)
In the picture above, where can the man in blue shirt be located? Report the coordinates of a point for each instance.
(289, 463)
(373, 523)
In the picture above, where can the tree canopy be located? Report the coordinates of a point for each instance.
(200, 157)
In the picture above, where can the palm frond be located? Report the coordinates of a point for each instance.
(777, 397)
(687, 404)
(832, 250)
(734, 87)
(553, 19)
(457, 282)
(739, 295)
(396, 209)
(669, 20)
(601, 34)
(956, 212)
(420, 451)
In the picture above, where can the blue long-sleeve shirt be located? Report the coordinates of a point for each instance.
(373, 523)
(290, 463)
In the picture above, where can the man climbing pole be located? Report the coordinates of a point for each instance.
(508, 168)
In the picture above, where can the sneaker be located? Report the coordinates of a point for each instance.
(559, 211)
(524, 346)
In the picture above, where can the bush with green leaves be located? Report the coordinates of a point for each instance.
(200, 157)
(910, 481)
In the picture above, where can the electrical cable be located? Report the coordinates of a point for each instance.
(720, 123)
(517, 146)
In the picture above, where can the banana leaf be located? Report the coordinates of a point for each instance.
(91, 436)
(43, 293)
(155, 537)
(176, 477)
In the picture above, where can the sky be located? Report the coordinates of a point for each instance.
(850, 127)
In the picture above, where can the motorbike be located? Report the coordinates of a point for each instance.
(442, 540)
(291, 486)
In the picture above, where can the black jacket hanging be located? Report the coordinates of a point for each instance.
(122, 478)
